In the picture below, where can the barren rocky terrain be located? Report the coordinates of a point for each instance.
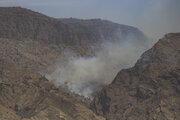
(30, 42)
(148, 91)
(35, 41)
(26, 95)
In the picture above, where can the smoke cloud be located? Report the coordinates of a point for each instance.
(87, 75)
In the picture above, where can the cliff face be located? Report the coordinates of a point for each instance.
(148, 91)
(25, 95)
(37, 40)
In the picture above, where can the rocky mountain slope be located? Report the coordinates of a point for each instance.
(105, 30)
(22, 23)
(25, 95)
(29, 42)
(34, 41)
(148, 91)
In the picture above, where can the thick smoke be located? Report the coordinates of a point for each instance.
(87, 75)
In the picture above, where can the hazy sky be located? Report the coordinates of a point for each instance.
(153, 17)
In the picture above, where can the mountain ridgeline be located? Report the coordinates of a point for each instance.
(20, 23)
(37, 40)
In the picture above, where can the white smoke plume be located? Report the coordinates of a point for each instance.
(87, 75)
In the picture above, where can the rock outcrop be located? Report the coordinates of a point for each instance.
(148, 91)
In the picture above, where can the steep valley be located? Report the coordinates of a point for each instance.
(34, 47)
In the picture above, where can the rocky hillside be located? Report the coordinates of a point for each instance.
(34, 41)
(105, 30)
(30, 41)
(19, 23)
(148, 91)
(22, 23)
(25, 95)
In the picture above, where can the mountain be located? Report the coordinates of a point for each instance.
(30, 42)
(26, 95)
(35, 41)
(148, 91)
